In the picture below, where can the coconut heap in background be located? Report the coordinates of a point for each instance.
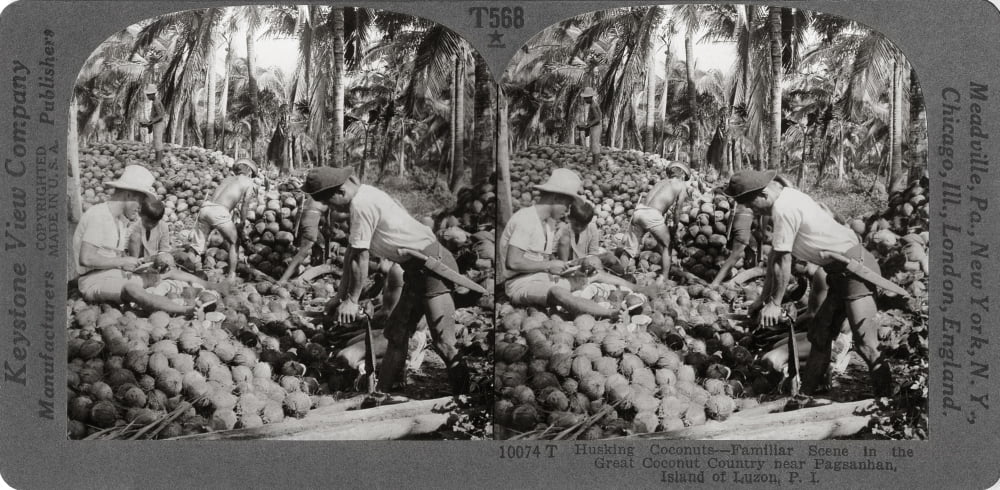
(683, 358)
(258, 358)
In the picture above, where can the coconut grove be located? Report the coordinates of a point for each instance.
(282, 228)
(715, 225)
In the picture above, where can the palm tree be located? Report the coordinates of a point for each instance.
(774, 147)
(689, 16)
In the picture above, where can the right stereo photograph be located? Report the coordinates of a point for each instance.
(713, 224)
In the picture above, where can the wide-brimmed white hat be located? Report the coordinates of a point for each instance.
(135, 178)
(151, 88)
(562, 181)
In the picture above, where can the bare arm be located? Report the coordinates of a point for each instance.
(517, 262)
(565, 245)
(734, 256)
(357, 269)
(305, 250)
(779, 269)
(91, 257)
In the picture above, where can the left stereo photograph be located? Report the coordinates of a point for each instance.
(282, 224)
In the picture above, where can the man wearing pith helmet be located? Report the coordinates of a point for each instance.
(156, 122)
(106, 272)
(381, 226)
(592, 126)
(803, 229)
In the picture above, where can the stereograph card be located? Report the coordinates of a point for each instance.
(498, 244)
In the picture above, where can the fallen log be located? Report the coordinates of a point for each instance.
(327, 418)
(816, 422)
(383, 430)
(808, 431)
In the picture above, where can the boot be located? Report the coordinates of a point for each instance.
(881, 378)
(458, 376)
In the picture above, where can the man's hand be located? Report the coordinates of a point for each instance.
(129, 263)
(770, 315)
(330, 309)
(556, 267)
(347, 312)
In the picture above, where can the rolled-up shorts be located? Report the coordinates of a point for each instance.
(210, 217)
(644, 219)
(533, 289)
(844, 284)
(595, 139)
(107, 285)
(158, 130)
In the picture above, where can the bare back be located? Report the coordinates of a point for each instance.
(664, 194)
(231, 191)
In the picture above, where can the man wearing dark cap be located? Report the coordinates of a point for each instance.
(803, 229)
(381, 226)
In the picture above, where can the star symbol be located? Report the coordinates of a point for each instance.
(496, 39)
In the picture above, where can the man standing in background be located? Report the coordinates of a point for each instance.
(156, 122)
(592, 125)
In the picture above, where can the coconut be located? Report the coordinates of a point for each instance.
(222, 400)
(719, 407)
(561, 364)
(613, 345)
(590, 351)
(503, 411)
(101, 391)
(223, 420)
(523, 394)
(665, 377)
(630, 363)
(554, 399)
(544, 379)
(103, 414)
(524, 418)
(249, 403)
(645, 422)
(272, 412)
(581, 366)
(225, 351)
(169, 382)
(79, 408)
(606, 366)
(183, 363)
(297, 404)
(90, 349)
(250, 421)
(562, 419)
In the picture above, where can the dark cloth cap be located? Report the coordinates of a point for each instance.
(744, 183)
(321, 179)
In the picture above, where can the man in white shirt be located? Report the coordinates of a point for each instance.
(802, 228)
(99, 248)
(530, 274)
(381, 226)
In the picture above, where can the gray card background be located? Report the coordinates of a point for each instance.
(949, 43)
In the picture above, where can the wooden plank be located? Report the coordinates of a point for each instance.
(808, 431)
(383, 430)
(780, 422)
(325, 418)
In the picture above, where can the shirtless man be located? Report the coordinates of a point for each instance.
(216, 213)
(156, 123)
(650, 213)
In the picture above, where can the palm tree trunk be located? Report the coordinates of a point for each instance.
(210, 95)
(339, 70)
(918, 128)
(648, 132)
(501, 145)
(897, 182)
(692, 99)
(664, 103)
(458, 164)
(224, 98)
(251, 40)
(482, 156)
(774, 147)
(73, 152)
(802, 161)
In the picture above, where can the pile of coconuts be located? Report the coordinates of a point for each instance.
(622, 178)
(678, 362)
